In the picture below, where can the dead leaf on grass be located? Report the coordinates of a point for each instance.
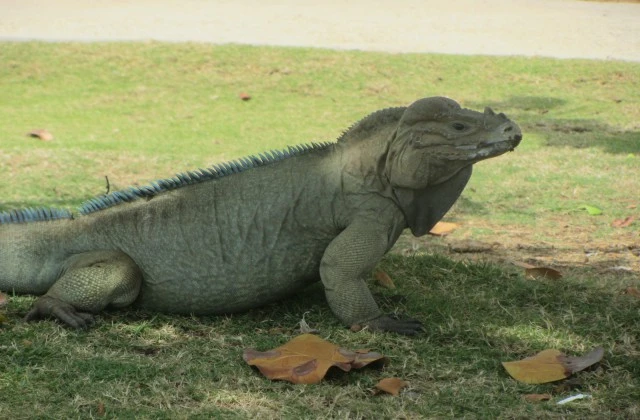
(623, 223)
(550, 365)
(443, 228)
(306, 359)
(244, 96)
(537, 397)
(384, 280)
(633, 291)
(539, 273)
(41, 134)
(391, 386)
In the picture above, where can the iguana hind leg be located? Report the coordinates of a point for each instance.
(89, 282)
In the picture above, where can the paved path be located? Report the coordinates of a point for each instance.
(554, 28)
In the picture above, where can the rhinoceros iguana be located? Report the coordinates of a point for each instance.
(242, 234)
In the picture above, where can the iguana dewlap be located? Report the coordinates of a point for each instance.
(246, 233)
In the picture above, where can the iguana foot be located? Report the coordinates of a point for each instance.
(407, 326)
(47, 306)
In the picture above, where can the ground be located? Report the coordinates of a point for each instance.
(553, 28)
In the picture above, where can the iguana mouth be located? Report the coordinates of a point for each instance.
(514, 141)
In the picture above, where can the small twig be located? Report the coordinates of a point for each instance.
(108, 185)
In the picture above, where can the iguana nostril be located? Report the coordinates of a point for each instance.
(518, 137)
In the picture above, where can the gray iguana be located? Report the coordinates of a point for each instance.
(245, 233)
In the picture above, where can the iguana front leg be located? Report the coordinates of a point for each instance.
(90, 282)
(347, 262)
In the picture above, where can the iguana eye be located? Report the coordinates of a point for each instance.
(458, 126)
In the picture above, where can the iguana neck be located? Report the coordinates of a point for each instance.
(362, 162)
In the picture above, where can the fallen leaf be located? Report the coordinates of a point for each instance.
(443, 228)
(306, 359)
(391, 386)
(576, 364)
(4, 300)
(384, 280)
(593, 211)
(622, 223)
(633, 291)
(244, 96)
(550, 366)
(41, 134)
(365, 357)
(537, 397)
(632, 206)
(539, 273)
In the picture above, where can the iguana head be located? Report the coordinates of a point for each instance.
(434, 141)
(436, 138)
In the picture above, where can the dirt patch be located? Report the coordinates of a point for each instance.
(569, 249)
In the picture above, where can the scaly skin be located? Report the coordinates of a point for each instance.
(243, 240)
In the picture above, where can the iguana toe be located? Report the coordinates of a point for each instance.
(47, 306)
(407, 326)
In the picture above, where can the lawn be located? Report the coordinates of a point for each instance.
(135, 112)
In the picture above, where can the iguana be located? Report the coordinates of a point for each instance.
(242, 234)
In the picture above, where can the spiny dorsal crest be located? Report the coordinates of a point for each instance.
(163, 185)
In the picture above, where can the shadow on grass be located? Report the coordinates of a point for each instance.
(482, 305)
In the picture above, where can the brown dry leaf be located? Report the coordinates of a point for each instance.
(244, 96)
(384, 280)
(633, 291)
(306, 359)
(550, 366)
(41, 134)
(539, 273)
(391, 386)
(363, 358)
(443, 228)
(623, 223)
(537, 397)
(4, 300)
(578, 363)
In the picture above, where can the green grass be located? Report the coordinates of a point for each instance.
(137, 112)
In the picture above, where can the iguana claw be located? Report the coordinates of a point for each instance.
(47, 306)
(407, 326)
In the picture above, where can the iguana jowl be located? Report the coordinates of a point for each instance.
(240, 235)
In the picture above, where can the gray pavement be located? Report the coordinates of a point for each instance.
(553, 28)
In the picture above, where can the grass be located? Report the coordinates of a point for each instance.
(137, 112)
